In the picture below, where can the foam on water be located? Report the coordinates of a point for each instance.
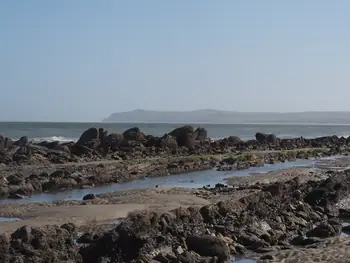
(53, 139)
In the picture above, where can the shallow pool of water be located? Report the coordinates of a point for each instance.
(241, 260)
(9, 219)
(189, 180)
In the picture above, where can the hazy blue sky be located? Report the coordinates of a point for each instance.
(83, 59)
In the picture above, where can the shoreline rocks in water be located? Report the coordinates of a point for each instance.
(100, 158)
(97, 144)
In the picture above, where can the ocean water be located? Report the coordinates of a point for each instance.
(40, 131)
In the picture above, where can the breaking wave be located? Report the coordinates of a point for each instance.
(53, 138)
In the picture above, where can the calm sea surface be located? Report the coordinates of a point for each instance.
(39, 131)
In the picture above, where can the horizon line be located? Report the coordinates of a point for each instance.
(282, 112)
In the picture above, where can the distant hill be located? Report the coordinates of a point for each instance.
(229, 117)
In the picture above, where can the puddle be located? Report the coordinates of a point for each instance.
(189, 180)
(9, 219)
(241, 260)
(346, 233)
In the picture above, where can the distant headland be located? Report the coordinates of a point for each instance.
(230, 117)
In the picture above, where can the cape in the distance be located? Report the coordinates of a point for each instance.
(230, 117)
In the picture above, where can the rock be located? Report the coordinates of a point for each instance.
(324, 230)
(4, 247)
(89, 197)
(271, 138)
(179, 250)
(161, 258)
(23, 233)
(86, 238)
(88, 136)
(134, 134)
(5, 143)
(208, 246)
(15, 179)
(168, 142)
(22, 142)
(70, 227)
(304, 241)
(184, 136)
(261, 137)
(17, 196)
(251, 241)
(45, 244)
(234, 139)
(201, 134)
(267, 257)
(113, 140)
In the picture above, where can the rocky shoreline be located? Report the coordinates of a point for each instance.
(99, 158)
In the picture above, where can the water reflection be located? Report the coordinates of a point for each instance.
(9, 219)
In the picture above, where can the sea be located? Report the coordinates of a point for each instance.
(71, 131)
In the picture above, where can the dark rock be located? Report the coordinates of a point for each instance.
(251, 241)
(87, 238)
(324, 230)
(184, 136)
(15, 179)
(70, 227)
(169, 142)
(261, 137)
(267, 257)
(22, 142)
(89, 197)
(113, 140)
(134, 134)
(234, 139)
(271, 138)
(208, 246)
(23, 233)
(304, 241)
(4, 247)
(201, 134)
(88, 136)
(17, 196)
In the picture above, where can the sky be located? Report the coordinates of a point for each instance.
(83, 60)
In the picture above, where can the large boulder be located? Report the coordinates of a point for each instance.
(88, 136)
(209, 246)
(266, 138)
(113, 140)
(234, 139)
(201, 134)
(261, 137)
(185, 136)
(134, 134)
(325, 230)
(168, 141)
(22, 142)
(271, 138)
